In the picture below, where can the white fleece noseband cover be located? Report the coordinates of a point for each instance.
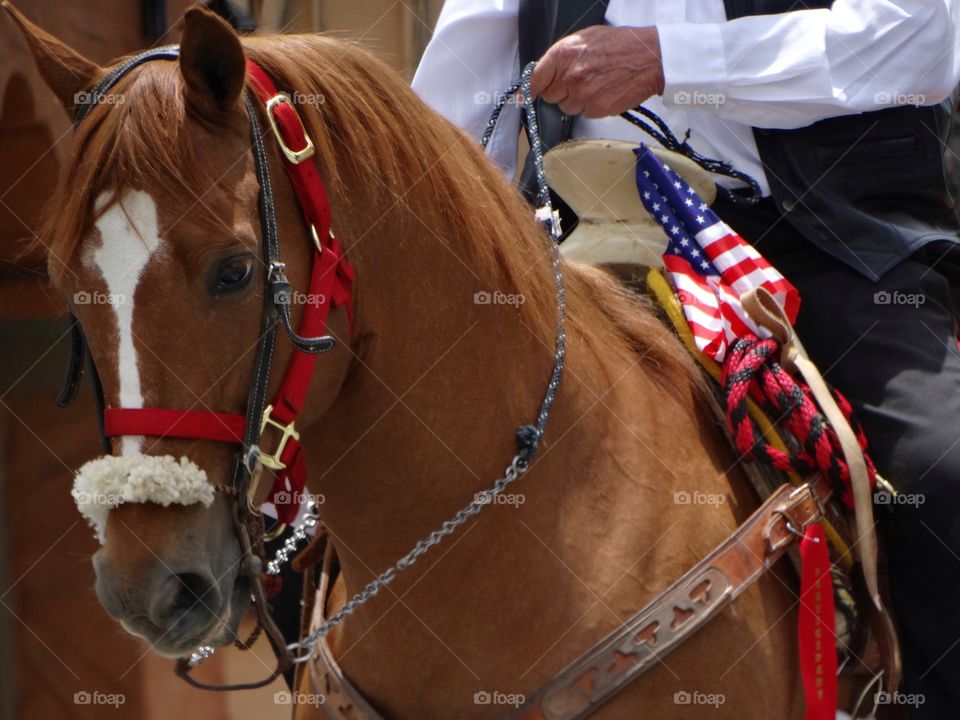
(109, 481)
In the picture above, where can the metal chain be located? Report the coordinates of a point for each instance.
(302, 527)
(299, 534)
(528, 437)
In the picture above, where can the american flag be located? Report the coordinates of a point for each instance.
(710, 265)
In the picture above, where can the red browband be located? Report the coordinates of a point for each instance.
(330, 287)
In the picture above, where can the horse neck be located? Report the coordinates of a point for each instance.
(427, 417)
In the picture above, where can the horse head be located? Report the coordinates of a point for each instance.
(154, 240)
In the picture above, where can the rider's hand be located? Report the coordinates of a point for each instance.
(601, 70)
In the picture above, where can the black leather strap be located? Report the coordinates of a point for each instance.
(79, 357)
(542, 23)
(95, 94)
(78, 354)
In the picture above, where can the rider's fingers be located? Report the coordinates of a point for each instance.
(544, 76)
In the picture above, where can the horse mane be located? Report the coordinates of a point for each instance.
(373, 136)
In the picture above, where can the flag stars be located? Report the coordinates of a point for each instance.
(704, 264)
(702, 207)
(646, 195)
(656, 207)
(674, 230)
(701, 219)
(677, 185)
(664, 218)
(684, 242)
(688, 202)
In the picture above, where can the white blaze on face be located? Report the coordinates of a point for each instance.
(130, 235)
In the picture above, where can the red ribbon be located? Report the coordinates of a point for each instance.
(817, 634)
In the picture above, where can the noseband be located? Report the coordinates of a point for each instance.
(330, 287)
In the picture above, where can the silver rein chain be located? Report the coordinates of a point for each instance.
(528, 436)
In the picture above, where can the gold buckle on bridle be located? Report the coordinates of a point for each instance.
(294, 156)
(272, 460)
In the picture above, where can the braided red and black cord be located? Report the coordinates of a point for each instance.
(751, 369)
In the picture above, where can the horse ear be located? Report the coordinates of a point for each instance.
(64, 70)
(212, 63)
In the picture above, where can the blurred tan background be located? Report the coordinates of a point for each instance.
(55, 640)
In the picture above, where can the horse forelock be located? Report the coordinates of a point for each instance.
(136, 139)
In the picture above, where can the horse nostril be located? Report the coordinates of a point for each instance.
(192, 592)
(185, 597)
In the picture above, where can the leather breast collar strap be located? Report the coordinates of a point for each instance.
(330, 287)
(636, 645)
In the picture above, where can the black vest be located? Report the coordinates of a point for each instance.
(869, 189)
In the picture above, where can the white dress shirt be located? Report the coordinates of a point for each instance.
(722, 76)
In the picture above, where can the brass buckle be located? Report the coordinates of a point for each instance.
(294, 156)
(272, 460)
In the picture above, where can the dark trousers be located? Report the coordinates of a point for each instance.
(891, 347)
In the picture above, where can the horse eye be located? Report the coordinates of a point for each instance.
(233, 274)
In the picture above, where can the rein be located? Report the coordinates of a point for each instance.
(659, 131)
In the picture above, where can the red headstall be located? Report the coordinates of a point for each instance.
(330, 287)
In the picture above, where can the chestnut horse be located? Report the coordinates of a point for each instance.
(414, 410)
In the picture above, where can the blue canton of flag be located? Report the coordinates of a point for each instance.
(710, 265)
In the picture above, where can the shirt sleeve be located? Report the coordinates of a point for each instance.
(789, 70)
(471, 59)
